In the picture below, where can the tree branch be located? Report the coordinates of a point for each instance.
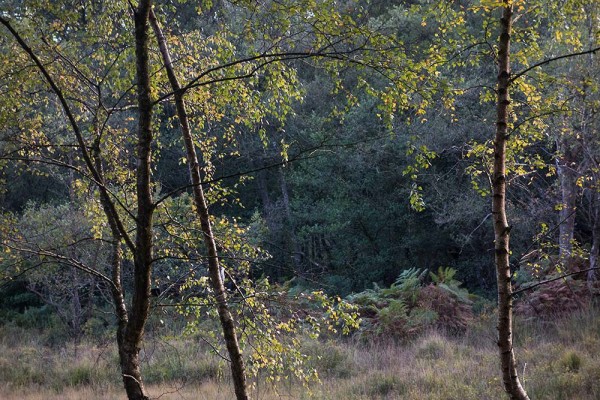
(63, 260)
(548, 61)
(76, 130)
(269, 59)
(552, 280)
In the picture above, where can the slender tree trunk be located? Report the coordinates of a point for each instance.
(263, 189)
(589, 130)
(128, 355)
(129, 352)
(501, 228)
(595, 250)
(130, 334)
(76, 309)
(128, 359)
(214, 268)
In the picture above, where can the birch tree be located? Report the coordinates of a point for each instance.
(506, 80)
(92, 64)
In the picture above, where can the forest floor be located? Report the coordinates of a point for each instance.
(558, 359)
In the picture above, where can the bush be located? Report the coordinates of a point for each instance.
(559, 297)
(432, 348)
(409, 307)
(187, 368)
(34, 318)
(453, 313)
(80, 375)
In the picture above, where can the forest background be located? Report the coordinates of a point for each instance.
(345, 150)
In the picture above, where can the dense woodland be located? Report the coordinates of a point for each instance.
(255, 172)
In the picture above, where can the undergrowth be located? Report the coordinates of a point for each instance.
(557, 359)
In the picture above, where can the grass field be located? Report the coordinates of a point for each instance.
(558, 359)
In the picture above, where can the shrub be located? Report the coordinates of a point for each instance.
(453, 313)
(188, 369)
(432, 348)
(382, 385)
(559, 297)
(80, 375)
(409, 306)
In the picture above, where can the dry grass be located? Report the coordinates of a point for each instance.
(557, 360)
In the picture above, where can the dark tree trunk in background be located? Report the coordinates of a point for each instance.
(292, 242)
(567, 176)
(501, 228)
(263, 189)
(592, 274)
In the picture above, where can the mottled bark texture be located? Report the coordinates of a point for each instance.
(501, 228)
